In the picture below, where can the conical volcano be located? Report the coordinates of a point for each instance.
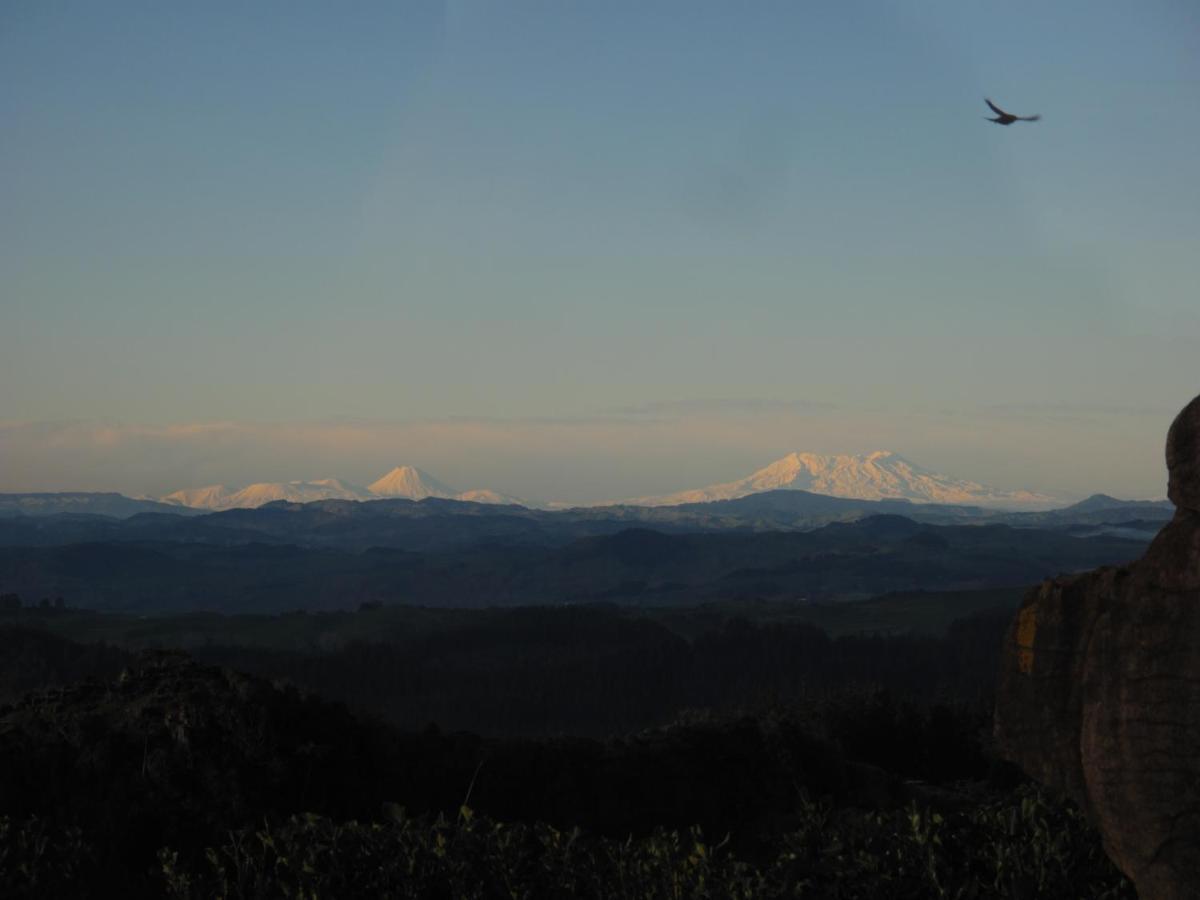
(411, 483)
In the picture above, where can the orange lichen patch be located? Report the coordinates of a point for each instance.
(1026, 631)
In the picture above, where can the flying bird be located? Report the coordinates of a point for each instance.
(1003, 118)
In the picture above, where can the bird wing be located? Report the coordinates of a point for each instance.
(1030, 118)
(997, 110)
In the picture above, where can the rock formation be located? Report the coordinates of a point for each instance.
(1099, 691)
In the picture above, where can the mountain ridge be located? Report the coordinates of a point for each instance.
(878, 475)
(402, 482)
(96, 503)
(881, 476)
(410, 483)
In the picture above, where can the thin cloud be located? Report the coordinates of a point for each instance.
(1075, 412)
(722, 405)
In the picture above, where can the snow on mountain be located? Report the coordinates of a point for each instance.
(329, 489)
(214, 496)
(483, 495)
(410, 483)
(873, 476)
(218, 496)
(406, 482)
(295, 492)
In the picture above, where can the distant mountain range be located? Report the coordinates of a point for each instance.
(434, 523)
(799, 490)
(405, 482)
(88, 503)
(882, 475)
(335, 554)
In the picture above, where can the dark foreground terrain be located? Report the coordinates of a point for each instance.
(751, 759)
(777, 698)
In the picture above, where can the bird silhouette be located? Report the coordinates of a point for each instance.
(1003, 118)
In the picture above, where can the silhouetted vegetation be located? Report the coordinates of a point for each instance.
(795, 753)
(31, 659)
(1022, 846)
(596, 671)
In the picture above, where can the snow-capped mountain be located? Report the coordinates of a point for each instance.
(405, 482)
(412, 484)
(218, 496)
(297, 492)
(213, 496)
(873, 476)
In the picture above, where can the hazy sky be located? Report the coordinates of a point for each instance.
(593, 250)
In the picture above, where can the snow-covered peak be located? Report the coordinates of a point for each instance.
(879, 475)
(403, 481)
(410, 483)
(406, 482)
(219, 497)
(295, 492)
(212, 496)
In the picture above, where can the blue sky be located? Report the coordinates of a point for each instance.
(601, 248)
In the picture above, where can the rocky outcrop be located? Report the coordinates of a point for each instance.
(1100, 691)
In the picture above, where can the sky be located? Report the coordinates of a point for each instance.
(592, 250)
